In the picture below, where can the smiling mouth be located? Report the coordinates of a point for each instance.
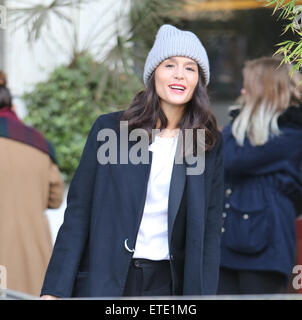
(179, 88)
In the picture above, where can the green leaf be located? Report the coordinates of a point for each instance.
(64, 107)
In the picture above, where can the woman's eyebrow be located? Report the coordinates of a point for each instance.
(169, 59)
(174, 60)
(192, 63)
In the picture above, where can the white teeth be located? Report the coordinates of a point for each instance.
(177, 87)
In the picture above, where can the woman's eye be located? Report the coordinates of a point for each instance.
(190, 69)
(169, 66)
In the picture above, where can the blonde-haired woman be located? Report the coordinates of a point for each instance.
(262, 158)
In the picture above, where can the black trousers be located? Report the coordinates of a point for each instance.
(148, 278)
(251, 282)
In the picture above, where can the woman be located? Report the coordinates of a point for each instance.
(30, 182)
(136, 229)
(262, 158)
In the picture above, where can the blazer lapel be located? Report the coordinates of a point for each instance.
(132, 177)
(137, 177)
(177, 185)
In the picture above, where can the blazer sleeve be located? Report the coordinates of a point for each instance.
(248, 159)
(72, 236)
(211, 254)
(56, 187)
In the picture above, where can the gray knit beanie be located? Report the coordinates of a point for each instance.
(171, 42)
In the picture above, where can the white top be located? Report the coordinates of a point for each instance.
(152, 238)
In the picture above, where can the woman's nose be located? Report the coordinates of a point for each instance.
(178, 73)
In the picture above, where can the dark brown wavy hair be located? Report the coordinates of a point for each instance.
(145, 110)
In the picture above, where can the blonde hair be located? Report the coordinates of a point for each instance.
(268, 92)
(295, 87)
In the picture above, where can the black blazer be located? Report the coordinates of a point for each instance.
(104, 209)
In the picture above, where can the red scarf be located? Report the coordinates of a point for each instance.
(8, 113)
(12, 127)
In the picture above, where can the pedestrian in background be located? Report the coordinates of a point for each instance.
(30, 182)
(147, 229)
(262, 159)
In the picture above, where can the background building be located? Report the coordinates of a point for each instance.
(231, 30)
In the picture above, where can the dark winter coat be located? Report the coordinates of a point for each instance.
(261, 185)
(104, 209)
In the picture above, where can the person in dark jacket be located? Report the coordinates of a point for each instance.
(140, 221)
(262, 159)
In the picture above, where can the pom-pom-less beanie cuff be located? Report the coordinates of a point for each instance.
(171, 42)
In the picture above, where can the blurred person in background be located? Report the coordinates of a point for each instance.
(262, 159)
(30, 183)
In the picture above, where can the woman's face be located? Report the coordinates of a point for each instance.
(175, 80)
